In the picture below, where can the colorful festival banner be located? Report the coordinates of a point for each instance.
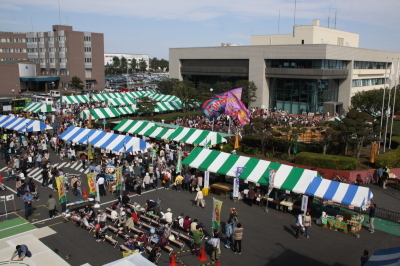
(179, 163)
(118, 175)
(215, 106)
(235, 107)
(62, 197)
(92, 183)
(216, 219)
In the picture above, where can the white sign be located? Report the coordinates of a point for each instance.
(2, 197)
(304, 203)
(206, 179)
(10, 197)
(236, 187)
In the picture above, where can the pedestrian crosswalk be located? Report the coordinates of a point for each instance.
(36, 173)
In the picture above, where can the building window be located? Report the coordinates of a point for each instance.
(88, 73)
(307, 63)
(88, 60)
(367, 82)
(370, 65)
(86, 38)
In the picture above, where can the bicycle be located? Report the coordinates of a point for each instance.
(369, 178)
(337, 178)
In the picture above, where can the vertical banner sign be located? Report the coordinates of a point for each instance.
(216, 216)
(271, 179)
(91, 183)
(179, 163)
(304, 203)
(207, 179)
(61, 190)
(118, 173)
(239, 170)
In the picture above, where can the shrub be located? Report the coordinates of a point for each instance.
(326, 161)
(390, 159)
(252, 141)
(395, 142)
(227, 148)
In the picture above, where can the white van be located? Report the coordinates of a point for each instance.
(43, 99)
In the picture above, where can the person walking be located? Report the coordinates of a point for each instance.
(199, 198)
(385, 177)
(27, 198)
(83, 160)
(101, 182)
(138, 185)
(229, 234)
(21, 251)
(372, 210)
(52, 206)
(238, 236)
(299, 224)
(307, 223)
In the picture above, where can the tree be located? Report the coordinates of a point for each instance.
(116, 62)
(133, 64)
(167, 86)
(371, 101)
(186, 92)
(146, 106)
(248, 91)
(289, 132)
(328, 134)
(357, 127)
(262, 128)
(221, 87)
(123, 63)
(142, 65)
(76, 83)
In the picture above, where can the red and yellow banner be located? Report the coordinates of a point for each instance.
(61, 190)
(216, 216)
(374, 151)
(92, 183)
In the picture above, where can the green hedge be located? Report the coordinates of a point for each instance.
(326, 161)
(390, 159)
(252, 141)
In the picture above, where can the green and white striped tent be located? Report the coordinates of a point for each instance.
(100, 113)
(133, 126)
(168, 106)
(101, 97)
(164, 98)
(287, 177)
(37, 107)
(179, 134)
(139, 94)
(336, 119)
(121, 101)
(74, 99)
(131, 109)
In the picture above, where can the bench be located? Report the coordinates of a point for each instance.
(145, 218)
(186, 237)
(176, 233)
(154, 217)
(88, 227)
(108, 209)
(153, 222)
(177, 242)
(125, 248)
(168, 248)
(137, 230)
(112, 220)
(147, 226)
(111, 240)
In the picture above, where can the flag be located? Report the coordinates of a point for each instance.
(62, 197)
(118, 174)
(236, 108)
(215, 106)
(90, 152)
(91, 183)
(391, 71)
(236, 146)
(216, 215)
(374, 151)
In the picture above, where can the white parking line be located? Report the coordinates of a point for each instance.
(3, 169)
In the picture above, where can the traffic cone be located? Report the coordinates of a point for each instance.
(202, 254)
(172, 260)
(218, 263)
(85, 195)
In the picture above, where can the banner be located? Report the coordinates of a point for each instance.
(236, 145)
(215, 106)
(235, 107)
(304, 203)
(216, 216)
(207, 179)
(118, 176)
(92, 183)
(239, 170)
(62, 197)
(374, 151)
(179, 162)
(271, 179)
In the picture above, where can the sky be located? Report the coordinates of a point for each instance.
(153, 26)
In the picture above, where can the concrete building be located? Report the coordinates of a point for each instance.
(38, 61)
(108, 59)
(295, 72)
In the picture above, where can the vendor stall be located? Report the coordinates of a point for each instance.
(100, 113)
(37, 107)
(22, 124)
(164, 98)
(74, 99)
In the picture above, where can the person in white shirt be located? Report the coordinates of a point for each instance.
(102, 188)
(168, 216)
(299, 224)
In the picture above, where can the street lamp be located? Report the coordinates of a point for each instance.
(13, 102)
(53, 85)
(211, 90)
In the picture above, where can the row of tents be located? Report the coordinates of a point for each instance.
(106, 96)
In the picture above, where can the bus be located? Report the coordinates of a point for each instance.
(19, 103)
(13, 105)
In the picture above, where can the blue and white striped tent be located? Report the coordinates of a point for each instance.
(104, 140)
(389, 256)
(339, 192)
(22, 124)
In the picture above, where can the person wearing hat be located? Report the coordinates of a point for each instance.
(199, 198)
(167, 216)
(233, 216)
(21, 251)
